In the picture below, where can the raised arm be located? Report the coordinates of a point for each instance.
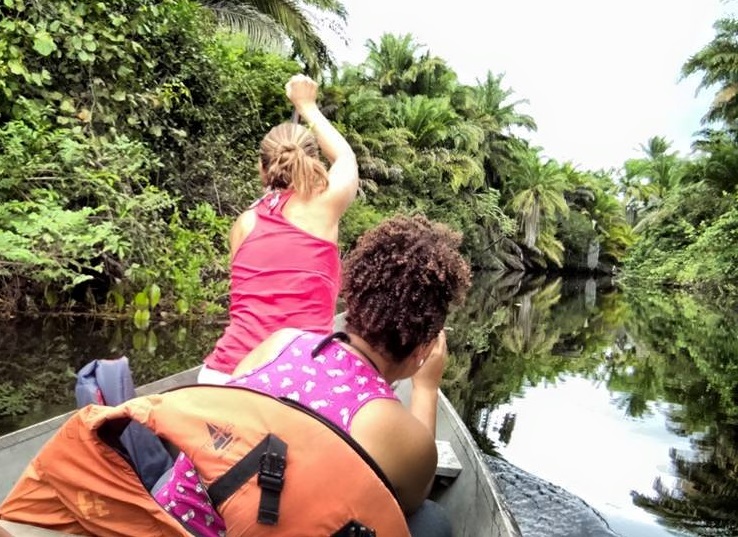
(426, 382)
(410, 460)
(343, 175)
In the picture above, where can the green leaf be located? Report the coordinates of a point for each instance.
(9, 3)
(152, 342)
(119, 95)
(141, 319)
(16, 67)
(182, 306)
(181, 335)
(141, 301)
(154, 295)
(67, 106)
(43, 43)
(80, 278)
(83, 56)
(52, 299)
(91, 46)
(139, 340)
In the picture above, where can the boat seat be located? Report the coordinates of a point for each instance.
(448, 465)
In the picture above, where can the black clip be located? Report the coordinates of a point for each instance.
(271, 471)
(362, 531)
(355, 529)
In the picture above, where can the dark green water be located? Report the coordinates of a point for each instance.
(38, 358)
(628, 400)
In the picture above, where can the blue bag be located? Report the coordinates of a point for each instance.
(109, 382)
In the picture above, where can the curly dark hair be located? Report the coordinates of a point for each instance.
(400, 281)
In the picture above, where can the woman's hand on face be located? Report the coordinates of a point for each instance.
(431, 370)
(302, 91)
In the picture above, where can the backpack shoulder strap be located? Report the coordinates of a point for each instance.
(269, 459)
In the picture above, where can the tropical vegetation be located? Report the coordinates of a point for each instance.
(129, 132)
(128, 136)
(129, 129)
(684, 209)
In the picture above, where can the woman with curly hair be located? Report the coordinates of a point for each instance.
(285, 266)
(399, 283)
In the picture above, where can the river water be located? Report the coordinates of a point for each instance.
(617, 410)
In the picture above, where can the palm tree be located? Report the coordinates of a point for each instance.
(488, 105)
(273, 23)
(396, 65)
(537, 190)
(366, 118)
(718, 63)
(717, 162)
(428, 120)
(635, 191)
(390, 60)
(528, 332)
(611, 225)
(662, 170)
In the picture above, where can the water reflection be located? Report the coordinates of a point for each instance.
(628, 399)
(38, 358)
(654, 374)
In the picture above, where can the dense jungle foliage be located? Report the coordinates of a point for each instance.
(128, 137)
(684, 209)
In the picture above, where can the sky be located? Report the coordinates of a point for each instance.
(601, 77)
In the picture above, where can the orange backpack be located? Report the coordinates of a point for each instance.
(262, 459)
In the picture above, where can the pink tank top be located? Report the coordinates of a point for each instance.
(281, 277)
(318, 373)
(334, 382)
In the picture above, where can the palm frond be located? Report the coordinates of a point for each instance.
(261, 31)
(295, 22)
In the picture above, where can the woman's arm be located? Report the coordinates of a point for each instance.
(410, 460)
(426, 381)
(343, 175)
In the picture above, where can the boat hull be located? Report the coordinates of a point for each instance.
(472, 499)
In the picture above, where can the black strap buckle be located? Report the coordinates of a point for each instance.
(271, 479)
(267, 460)
(271, 471)
(355, 529)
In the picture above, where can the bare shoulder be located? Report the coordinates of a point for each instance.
(241, 228)
(246, 221)
(266, 350)
(281, 337)
(409, 460)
